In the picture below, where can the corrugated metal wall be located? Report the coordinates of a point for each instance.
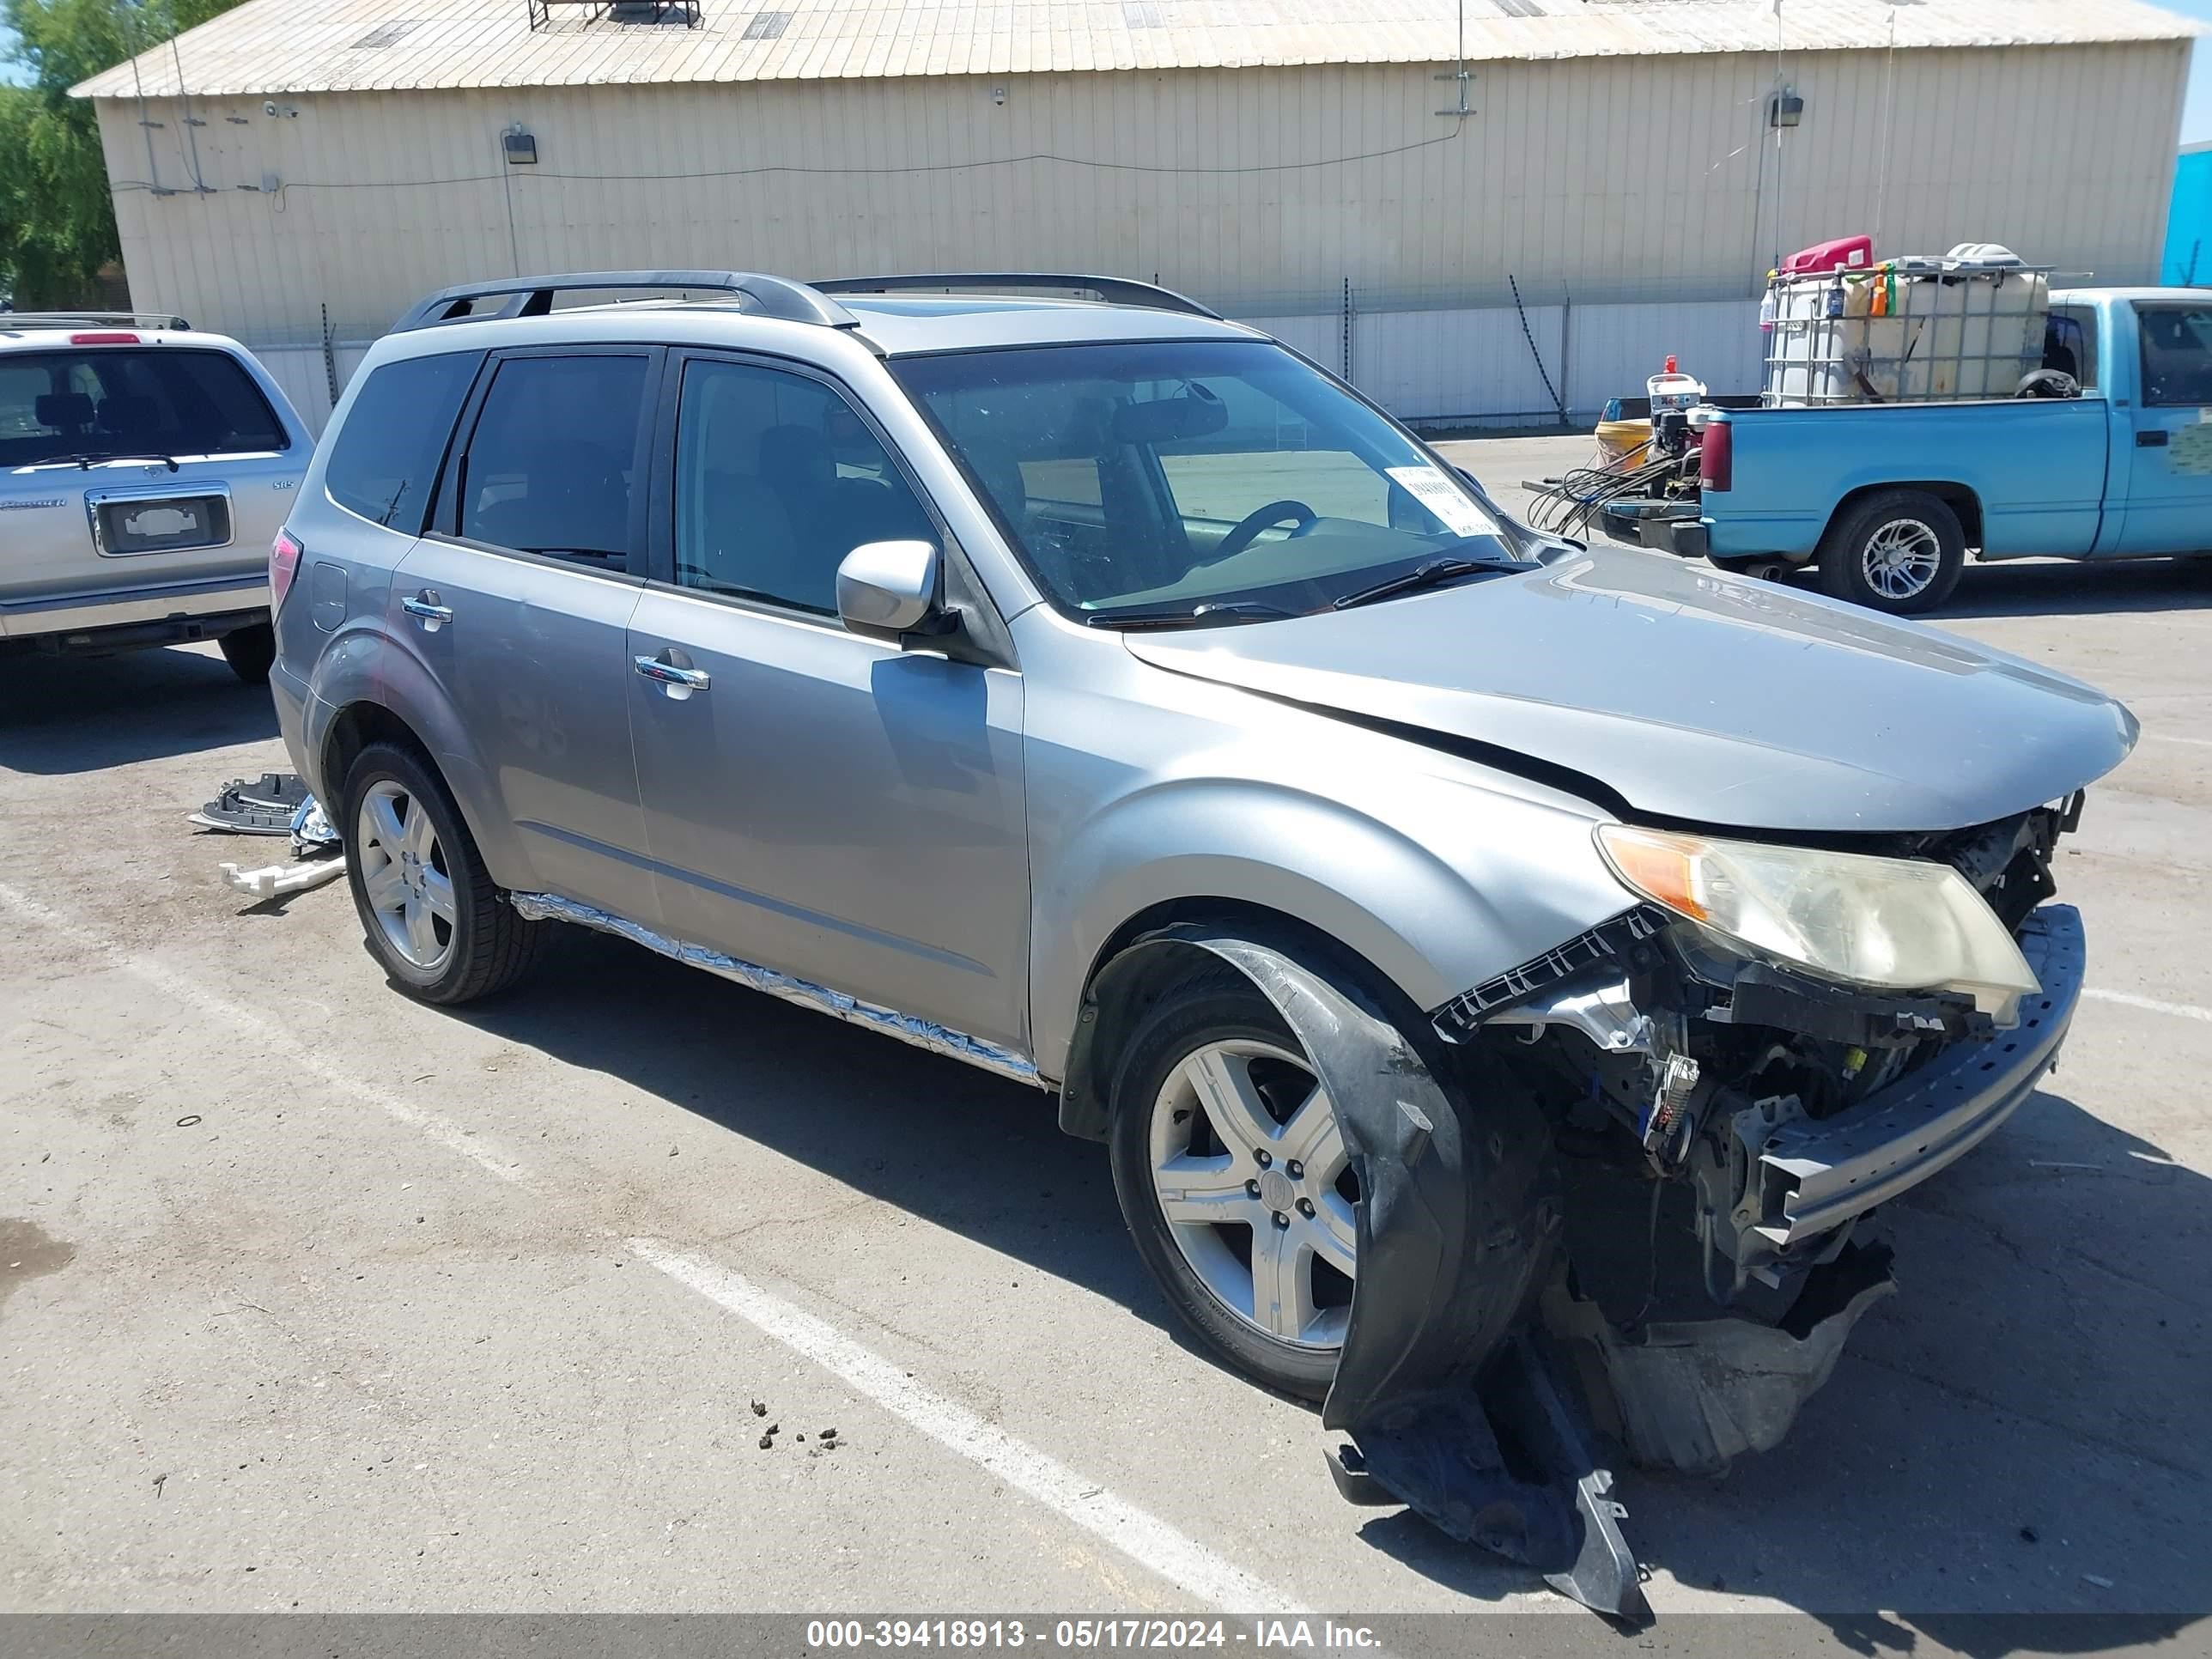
(1600, 185)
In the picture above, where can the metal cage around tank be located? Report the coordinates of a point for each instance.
(1904, 332)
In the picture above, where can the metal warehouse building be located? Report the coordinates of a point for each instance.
(1496, 209)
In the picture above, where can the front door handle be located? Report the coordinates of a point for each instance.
(426, 611)
(2154, 438)
(678, 682)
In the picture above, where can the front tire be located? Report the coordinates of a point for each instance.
(432, 917)
(251, 652)
(1900, 552)
(1235, 1184)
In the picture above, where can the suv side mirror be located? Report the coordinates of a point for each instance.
(887, 589)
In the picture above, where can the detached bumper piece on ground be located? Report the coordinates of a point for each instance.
(1476, 1380)
(275, 804)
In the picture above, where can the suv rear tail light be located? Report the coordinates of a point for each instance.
(103, 339)
(283, 565)
(1717, 458)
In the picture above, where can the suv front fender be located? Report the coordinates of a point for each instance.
(1480, 889)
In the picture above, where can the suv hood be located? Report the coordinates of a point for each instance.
(1691, 694)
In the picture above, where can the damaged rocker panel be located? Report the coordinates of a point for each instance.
(923, 1034)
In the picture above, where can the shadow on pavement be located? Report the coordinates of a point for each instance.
(2050, 587)
(72, 714)
(931, 1135)
(2030, 1405)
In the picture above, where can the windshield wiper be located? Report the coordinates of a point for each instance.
(1429, 574)
(1197, 616)
(86, 463)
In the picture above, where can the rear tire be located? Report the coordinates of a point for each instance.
(1900, 552)
(251, 652)
(433, 919)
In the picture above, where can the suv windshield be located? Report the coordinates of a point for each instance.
(1211, 481)
(102, 402)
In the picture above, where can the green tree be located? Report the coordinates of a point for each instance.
(57, 219)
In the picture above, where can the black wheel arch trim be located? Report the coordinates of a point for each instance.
(1439, 1363)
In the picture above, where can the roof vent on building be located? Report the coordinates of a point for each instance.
(1519, 8)
(1142, 14)
(378, 38)
(767, 25)
(683, 13)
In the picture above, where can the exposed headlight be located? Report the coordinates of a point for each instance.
(1892, 924)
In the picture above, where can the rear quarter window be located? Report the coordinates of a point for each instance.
(98, 402)
(384, 459)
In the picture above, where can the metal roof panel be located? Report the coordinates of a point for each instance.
(264, 47)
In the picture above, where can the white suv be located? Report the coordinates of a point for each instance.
(144, 467)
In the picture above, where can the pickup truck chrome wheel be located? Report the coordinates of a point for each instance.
(1252, 1177)
(1895, 550)
(403, 874)
(1900, 560)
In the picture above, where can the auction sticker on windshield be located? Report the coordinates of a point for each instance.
(1442, 498)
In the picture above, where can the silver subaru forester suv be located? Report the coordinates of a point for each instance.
(1106, 695)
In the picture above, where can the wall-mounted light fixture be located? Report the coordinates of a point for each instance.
(1785, 109)
(520, 148)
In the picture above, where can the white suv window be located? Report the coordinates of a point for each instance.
(93, 402)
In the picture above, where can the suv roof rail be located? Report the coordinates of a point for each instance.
(95, 319)
(1114, 290)
(532, 296)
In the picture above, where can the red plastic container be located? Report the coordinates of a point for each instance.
(1845, 253)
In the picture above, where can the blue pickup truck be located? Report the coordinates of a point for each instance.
(1888, 498)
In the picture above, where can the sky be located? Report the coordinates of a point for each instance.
(2196, 117)
(2197, 114)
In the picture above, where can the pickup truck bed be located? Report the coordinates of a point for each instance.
(1887, 499)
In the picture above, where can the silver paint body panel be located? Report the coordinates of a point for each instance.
(960, 842)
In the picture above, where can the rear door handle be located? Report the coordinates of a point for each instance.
(425, 610)
(2152, 439)
(678, 682)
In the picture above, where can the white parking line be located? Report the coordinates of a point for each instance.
(2167, 737)
(310, 1059)
(1143, 1537)
(2151, 1005)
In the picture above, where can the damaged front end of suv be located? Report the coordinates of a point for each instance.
(1785, 1035)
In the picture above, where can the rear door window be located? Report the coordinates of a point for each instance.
(551, 463)
(104, 402)
(384, 460)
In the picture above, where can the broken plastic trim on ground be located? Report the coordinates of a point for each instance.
(275, 804)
